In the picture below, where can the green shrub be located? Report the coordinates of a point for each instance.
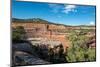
(18, 33)
(79, 50)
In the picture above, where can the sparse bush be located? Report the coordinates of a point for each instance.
(79, 50)
(18, 33)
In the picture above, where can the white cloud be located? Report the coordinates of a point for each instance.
(55, 7)
(69, 8)
(92, 23)
(62, 8)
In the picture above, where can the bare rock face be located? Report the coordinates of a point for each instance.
(23, 58)
(48, 31)
(24, 54)
(37, 53)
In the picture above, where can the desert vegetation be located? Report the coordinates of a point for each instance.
(79, 48)
(18, 34)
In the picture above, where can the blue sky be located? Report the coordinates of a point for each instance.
(57, 13)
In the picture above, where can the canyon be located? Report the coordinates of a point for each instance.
(47, 35)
